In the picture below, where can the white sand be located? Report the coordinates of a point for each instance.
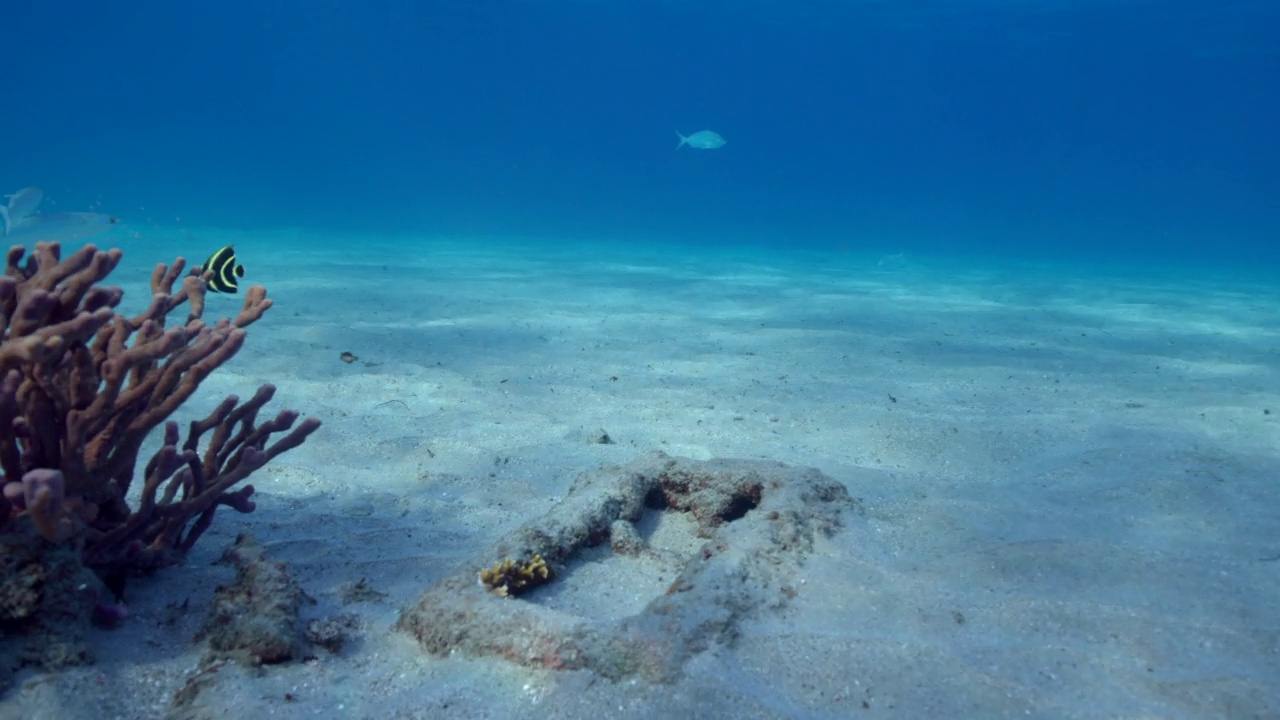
(1070, 481)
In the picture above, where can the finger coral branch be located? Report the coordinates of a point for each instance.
(256, 303)
(45, 499)
(82, 387)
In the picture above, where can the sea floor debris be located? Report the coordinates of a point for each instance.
(749, 526)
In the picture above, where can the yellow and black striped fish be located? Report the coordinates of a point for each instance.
(221, 271)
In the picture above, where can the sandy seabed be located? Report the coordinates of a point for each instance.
(1065, 481)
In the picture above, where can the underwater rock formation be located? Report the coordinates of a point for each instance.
(255, 618)
(756, 521)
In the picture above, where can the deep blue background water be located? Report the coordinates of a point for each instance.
(1119, 128)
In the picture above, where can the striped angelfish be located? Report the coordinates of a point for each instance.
(221, 271)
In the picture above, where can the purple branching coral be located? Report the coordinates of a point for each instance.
(82, 386)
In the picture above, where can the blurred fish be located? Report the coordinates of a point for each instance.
(61, 227)
(221, 271)
(21, 204)
(702, 140)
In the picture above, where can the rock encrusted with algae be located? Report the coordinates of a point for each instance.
(255, 618)
(47, 598)
(759, 520)
(510, 578)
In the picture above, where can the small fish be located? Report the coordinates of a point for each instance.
(21, 205)
(701, 140)
(221, 271)
(61, 226)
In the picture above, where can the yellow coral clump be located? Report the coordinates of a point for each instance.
(510, 578)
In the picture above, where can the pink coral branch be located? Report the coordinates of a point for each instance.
(81, 388)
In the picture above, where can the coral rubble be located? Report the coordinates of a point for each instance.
(255, 618)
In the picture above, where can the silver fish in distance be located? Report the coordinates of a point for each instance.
(20, 206)
(61, 226)
(701, 140)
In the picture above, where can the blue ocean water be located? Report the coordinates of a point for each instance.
(1128, 129)
(1079, 459)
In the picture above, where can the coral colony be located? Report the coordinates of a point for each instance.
(509, 578)
(81, 388)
